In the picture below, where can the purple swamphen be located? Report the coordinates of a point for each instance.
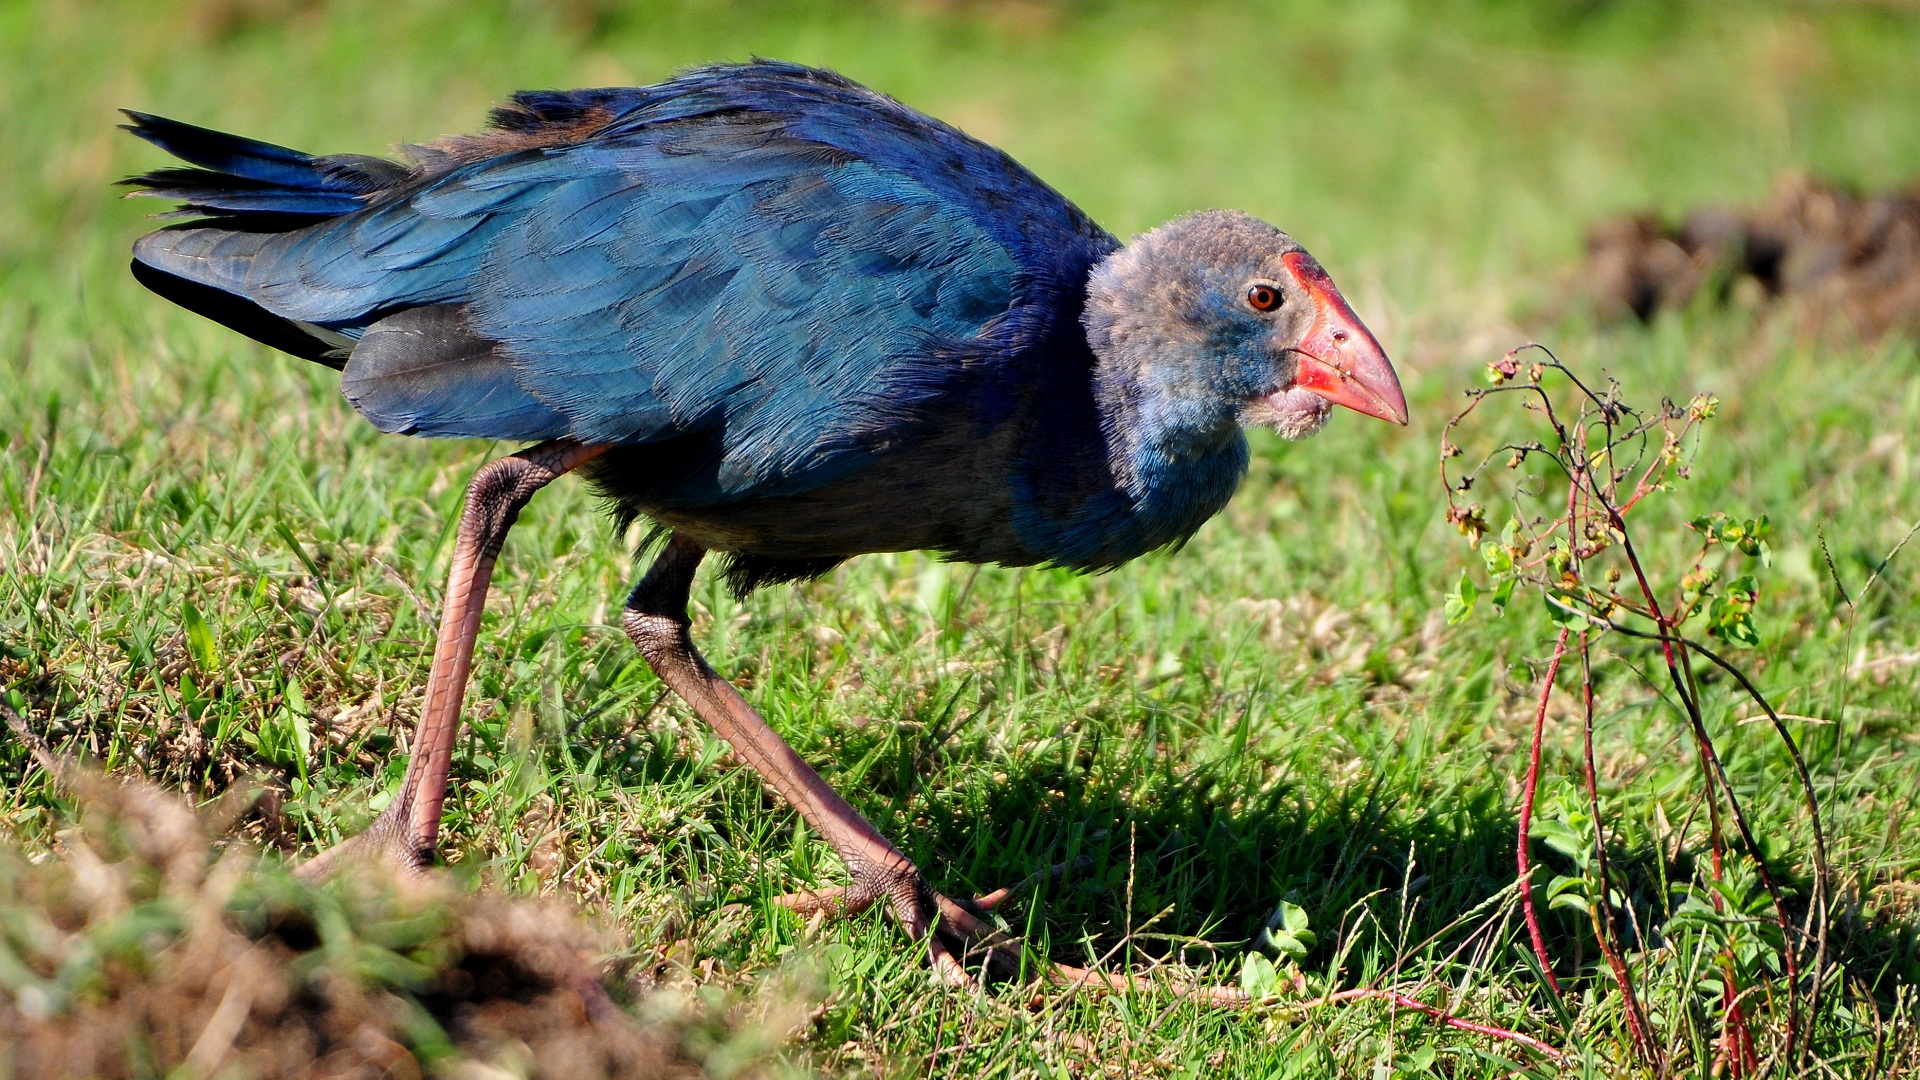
(786, 319)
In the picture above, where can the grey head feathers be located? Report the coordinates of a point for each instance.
(1184, 356)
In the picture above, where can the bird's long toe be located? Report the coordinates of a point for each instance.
(959, 936)
(383, 845)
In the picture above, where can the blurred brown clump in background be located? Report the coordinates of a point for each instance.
(136, 948)
(1813, 247)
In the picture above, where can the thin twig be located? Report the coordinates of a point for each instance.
(1637, 1025)
(1526, 816)
(1406, 1002)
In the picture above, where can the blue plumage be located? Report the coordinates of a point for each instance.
(815, 322)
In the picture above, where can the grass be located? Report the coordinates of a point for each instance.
(211, 570)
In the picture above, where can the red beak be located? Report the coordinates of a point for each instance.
(1339, 359)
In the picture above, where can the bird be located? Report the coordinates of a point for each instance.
(784, 320)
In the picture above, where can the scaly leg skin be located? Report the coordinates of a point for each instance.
(406, 832)
(656, 620)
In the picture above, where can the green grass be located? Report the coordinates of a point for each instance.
(211, 569)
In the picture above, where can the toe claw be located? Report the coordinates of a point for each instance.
(807, 902)
(958, 933)
(379, 844)
(956, 915)
(946, 966)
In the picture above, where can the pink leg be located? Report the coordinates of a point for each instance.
(408, 830)
(656, 620)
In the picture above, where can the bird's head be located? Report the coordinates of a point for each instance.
(1218, 318)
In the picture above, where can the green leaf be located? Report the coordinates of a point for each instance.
(299, 551)
(1566, 616)
(200, 639)
(1757, 533)
(1499, 560)
(1559, 558)
(1503, 593)
(1559, 836)
(1286, 932)
(296, 728)
(1289, 945)
(1698, 906)
(1461, 600)
(1258, 977)
(302, 741)
(1293, 917)
(1731, 616)
(1563, 882)
(1566, 892)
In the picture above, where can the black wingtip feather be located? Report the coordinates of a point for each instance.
(238, 313)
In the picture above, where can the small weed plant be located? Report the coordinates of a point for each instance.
(1552, 518)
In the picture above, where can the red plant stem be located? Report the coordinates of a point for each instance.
(1737, 1054)
(1601, 913)
(1737, 1038)
(1641, 489)
(1637, 1025)
(1526, 815)
(1593, 496)
(1447, 1018)
(1734, 1019)
(1737, 1049)
(1823, 875)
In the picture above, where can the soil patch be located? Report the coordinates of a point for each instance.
(138, 948)
(1813, 246)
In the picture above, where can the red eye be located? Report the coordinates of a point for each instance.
(1263, 297)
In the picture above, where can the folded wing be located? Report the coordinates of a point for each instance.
(714, 275)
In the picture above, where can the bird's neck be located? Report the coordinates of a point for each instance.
(1123, 473)
(1117, 459)
(1177, 457)
(1158, 437)
(1173, 453)
(1164, 420)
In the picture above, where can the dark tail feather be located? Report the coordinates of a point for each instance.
(239, 177)
(239, 313)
